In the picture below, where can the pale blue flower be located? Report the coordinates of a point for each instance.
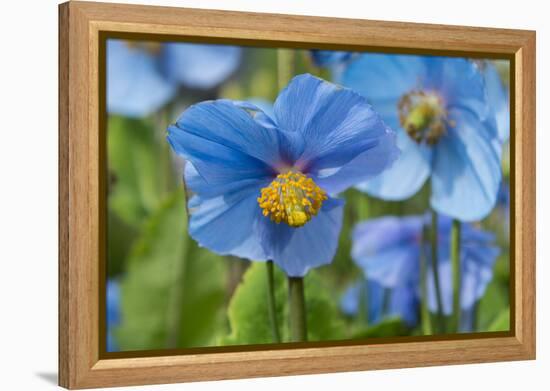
(389, 251)
(446, 130)
(113, 313)
(143, 76)
(380, 302)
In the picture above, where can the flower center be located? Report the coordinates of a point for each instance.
(423, 116)
(292, 198)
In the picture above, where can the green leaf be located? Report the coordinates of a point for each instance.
(134, 163)
(501, 322)
(390, 327)
(120, 237)
(172, 292)
(249, 317)
(493, 302)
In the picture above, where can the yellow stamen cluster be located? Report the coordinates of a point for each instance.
(423, 116)
(292, 198)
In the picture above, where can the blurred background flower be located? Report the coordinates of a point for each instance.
(390, 250)
(113, 313)
(445, 127)
(380, 303)
(330, 58)
(497, 93)
(144, 76)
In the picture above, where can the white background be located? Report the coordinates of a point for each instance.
(28, 193)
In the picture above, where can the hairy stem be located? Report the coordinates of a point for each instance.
(455, 264)
(434, 261)
(271, 305)
(297, 310)
(424, 310)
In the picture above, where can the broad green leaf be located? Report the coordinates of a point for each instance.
(249, 317)
(135, 158)
(172, 292)
(390, 327)
(120, 237)
(493, 302)
(501, 322)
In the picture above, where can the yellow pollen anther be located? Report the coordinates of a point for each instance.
(292, 198)
(423, 116)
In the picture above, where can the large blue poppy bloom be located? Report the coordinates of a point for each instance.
(388, 249)
(113, 313)
(142, 77)
(446, 130)
(381, 302)
(262, 185)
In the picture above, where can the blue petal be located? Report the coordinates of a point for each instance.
(467, 173)
(135, 88)
(196, 183)
(336, 123)
(407, 174)
(460, 84)
(384, 78)
(381, 302)
(233, 127)
(113, 302)
(349, 303)
(296, 250)
(200, 66)
(444, 272)
(327, 58)
(228, 227)
(387, 249)
(404, 304)
(365, 166)
(375, 300)
(265, 107)
(112, 312)
(498, 100)
(216, 163)
(477, 257)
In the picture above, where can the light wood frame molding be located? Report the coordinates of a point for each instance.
(80, 205)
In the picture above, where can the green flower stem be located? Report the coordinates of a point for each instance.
(285, 67)
(362, 207)
(297, 309)
(434, 261)
(363, 314)
(424, 311)
(271, 306)
(166, 169)
(177, 293)
(455, 263)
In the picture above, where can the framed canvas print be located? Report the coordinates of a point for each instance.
(247, 195)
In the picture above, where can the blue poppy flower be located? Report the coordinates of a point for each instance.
(381, 302)
(143, 76)
(113, 313)
(329, 58)
(498, 97)
(445, 129)
(262, 186)
(503, 205)
(388, 249)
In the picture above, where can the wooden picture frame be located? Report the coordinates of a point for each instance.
(81, 161)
